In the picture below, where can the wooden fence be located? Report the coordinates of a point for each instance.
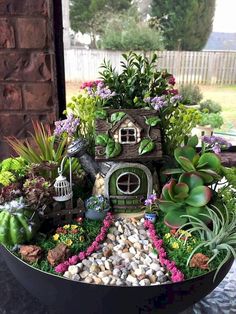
(197, 67)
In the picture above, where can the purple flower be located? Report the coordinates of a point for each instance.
(216, 143)
(68, 126)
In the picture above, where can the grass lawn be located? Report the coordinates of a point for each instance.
(224, 95)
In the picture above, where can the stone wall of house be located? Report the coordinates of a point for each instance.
(28, 88)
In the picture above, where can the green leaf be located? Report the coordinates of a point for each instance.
(117, 116)
(212, 160)
(199, 196)
(113, 149)
(167, 206)
(172, 171)
(186, 164)
(193, 141)
(102, 139)
(146, 146)
(174, 220)
(186, 151)
(152, 121)
(181, 190)
(101, 114)
(191, 179)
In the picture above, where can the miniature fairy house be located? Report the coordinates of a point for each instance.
(127, 143)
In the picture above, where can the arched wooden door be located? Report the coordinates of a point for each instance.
(128, 185)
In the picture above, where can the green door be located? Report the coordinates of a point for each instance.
(128, 187)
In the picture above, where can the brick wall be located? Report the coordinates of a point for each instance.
(28, 88)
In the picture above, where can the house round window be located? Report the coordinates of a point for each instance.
(128, 183)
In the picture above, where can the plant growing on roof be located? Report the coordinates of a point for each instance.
(221, 237)
(204, 164)
(188, 196)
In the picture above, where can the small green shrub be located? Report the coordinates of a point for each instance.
(215, 120)
(211, 106)
(191, 94)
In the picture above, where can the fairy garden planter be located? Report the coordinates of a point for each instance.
(134, 214)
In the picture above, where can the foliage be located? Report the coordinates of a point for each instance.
(206, 165)
(187, 24)
(191, 94)
(227, 195)
(42, 147)
(38, 192)
(90, 16)
(84, 108)
(112, 148)
(146, 146)
(188, 195)
(220, 237)
(230, 175)
(177, 122)
(125, 32)
(138, 79)
(97, 203)
(211, 106)
(18, 223)
(12, 170)
(215, 120)
(10, 192)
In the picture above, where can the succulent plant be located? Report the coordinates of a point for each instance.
(206, 165)
(97, 203)
(187, 196)
(10, 192)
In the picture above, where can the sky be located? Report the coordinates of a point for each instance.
(225, 16)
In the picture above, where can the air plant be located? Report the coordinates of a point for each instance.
(218, 238)
(187, 196)
(206, 165)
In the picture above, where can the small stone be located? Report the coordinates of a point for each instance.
(131, 279)
(120, 229)
(123, 237)
(88, 280)
(97, 280)
(106, 280)
(102, 267)
(152, 278)
(125, 250)
(108, 265)
(159, 273)
(132, 250)
(119, 282)
(153, 255)
(133, 238)
(84, 274)
(116, 272)
(111, 237)
(94, 268)
(134, 265)
(107, 252)
(141, 277)
(127, 255)
(155, 267)
(80, 266)
(145, 282)
(67, 274)
(137, 246)
(139, 272)
(113, 281)
(149, 272)
(75, 277)
(86, 263)
(73, 269)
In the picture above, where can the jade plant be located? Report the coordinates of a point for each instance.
(205, 164)
(187, 196)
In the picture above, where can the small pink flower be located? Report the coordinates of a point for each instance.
(107, 223)
(73, 260)
(82, 255)
(103, 230)
(61, 268)
(90, 250)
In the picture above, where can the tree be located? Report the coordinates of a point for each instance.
(127, 32)
(186, 24)
(90, 16)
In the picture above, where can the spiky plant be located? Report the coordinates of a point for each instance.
(221, 236)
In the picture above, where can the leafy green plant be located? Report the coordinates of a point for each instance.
(112, 148)
(220, 237)
(85, 108)
(137, 79)
(206, 165)
(41, 147)
(12, 170)
(188, 195)
(211, 106)
(97, 203)
(146, 146)
(177, 122)
(230, 175)
(215, 120)
(191, 94)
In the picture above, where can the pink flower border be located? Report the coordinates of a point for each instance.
(63, 267)
(176, 274)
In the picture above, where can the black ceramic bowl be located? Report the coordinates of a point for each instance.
(80, 298)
